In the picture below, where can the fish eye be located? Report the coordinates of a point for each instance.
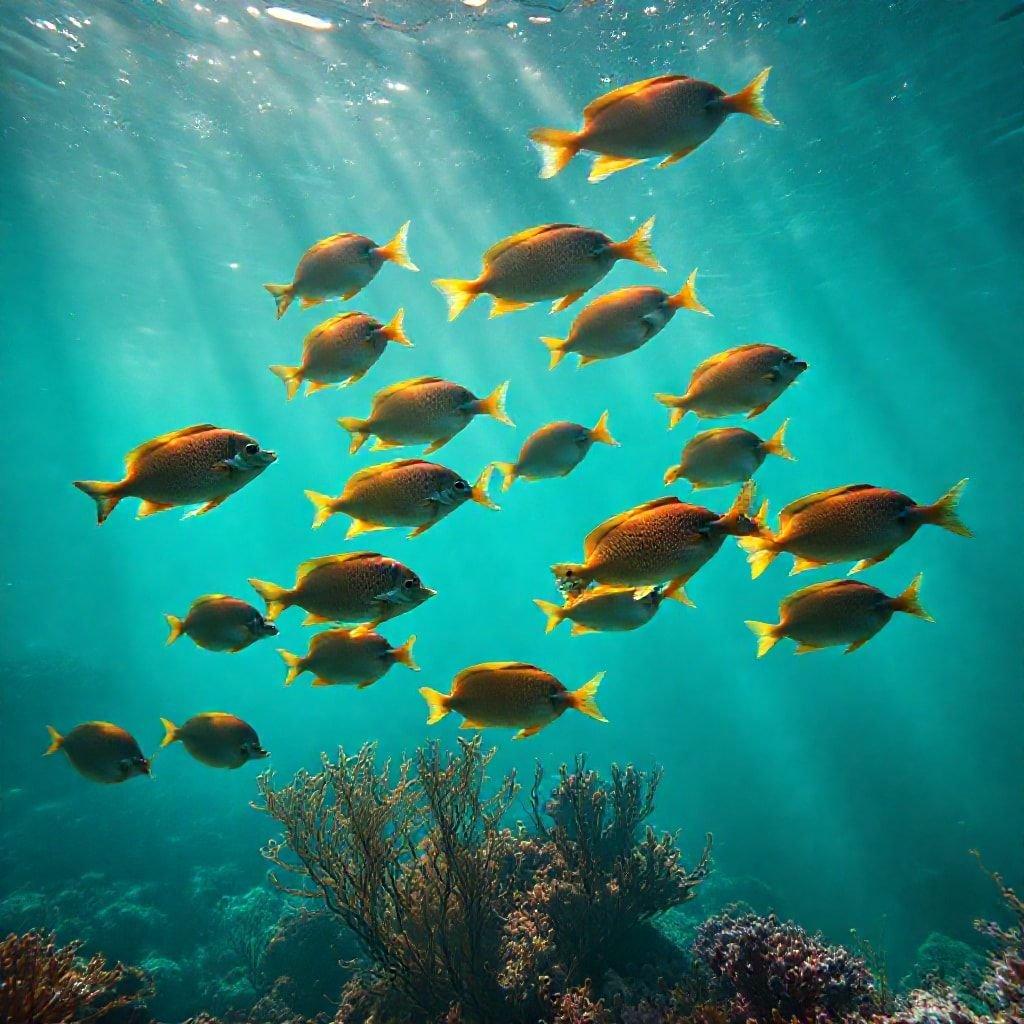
(460, 485)
(251, 448)
(411, 584)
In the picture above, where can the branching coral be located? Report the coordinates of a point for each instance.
(1004, 983)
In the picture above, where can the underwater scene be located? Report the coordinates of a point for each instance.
(511, 512)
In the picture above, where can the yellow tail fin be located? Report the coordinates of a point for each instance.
(767, 635)
(292, 377)
(686, 297)
(395, 249)
(283, 295)
(357, 428)
(437, 704)
(458, 294)
(600, 433)
(750, 99)
(672, 474)
(403, 654)
(743, 501)
(170, 732)
(177, 628)
(555, 613)
(56, 741)
(583, 699)
(277, 598)
(393, 330)
(910, 600)
(775, 445)
(494, 405)
(324, 505)
(944, 512)
(761, 552)
(508, 471)
(556, 346)
(556, 148)
(638, 247)
(103, 493)
(479, 491)
(677, 407)
(294, 663)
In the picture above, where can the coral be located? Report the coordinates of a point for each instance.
(1003, 985)
(941, 1007)
(247, 924)
(946, 961)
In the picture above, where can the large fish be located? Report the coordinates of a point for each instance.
(726, 455)
(217, 622)
(216, 739)
(100, 751)
(604, 610)
(343, 657)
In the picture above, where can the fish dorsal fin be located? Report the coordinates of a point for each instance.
(209, 598)
(720, 357)
(490, 666)
(329, 240)
(815, 588)
(384, 467)
(393, 389)
(623, 92)
(802, 504)
(505, 244)
(599, 533)
(149, 447)
(314, 563)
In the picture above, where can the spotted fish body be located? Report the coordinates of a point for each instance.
(605, 610)
(341, 657)
(217, 622)
(101, 752)
(216, 739)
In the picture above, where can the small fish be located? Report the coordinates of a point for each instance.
(668, 116)
(555, 450)
(660, 541)
(340, 657)
(342, 265)
(605, 610)
(510, 694)
(551, 261)
(100, 751)
(340, 351)
(216, 739)
(198, 464)
(859, 522)
(408, 492)
(360, 586)
(834, 614)
(622, 321)
(423, 410)
(217, 622)
(726, 455)
(745, 379)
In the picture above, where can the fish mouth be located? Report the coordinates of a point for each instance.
(427, 593)
(259, 753)
(800, 365)
(266, 458)
(268, 628)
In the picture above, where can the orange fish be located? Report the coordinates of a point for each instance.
(604, 610)
(342, 265)
(216, 739)
(726, 455)
(837, 613)
(668, 116)
(217, 622)
(340, 657)
(100, 751)
(858, 522)
(551, 261)
(510, 694)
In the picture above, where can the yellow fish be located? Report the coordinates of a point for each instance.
(340, 351)
(745, 379)
(726, 455)
(668, 116)
(555, 450)
(339, 657)
(200, 464)
(216, 739)
(361, 586)
(551, 261)
(342, 264)
(834, 614)
(622, 321)
(859, 522)
(605, 609)
(217, 622)
(423, 410)
(510, 694)
(100, 751)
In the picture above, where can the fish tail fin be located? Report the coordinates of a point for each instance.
(910, 600)
(672, 474)
(556, 346)
(458, 294)
(324, 505)
(104, 493)
(556, 147)
(554, 612)
(677, 407)
(686, 297)
(508, 471)
(944, 512)
(750, 99)
(394, 331)
(767, 635)
(56, 741)
(177, 627)
(743, 501)
(277, 598)
(776, 444)
(638, 247)
(396, 251)
(479, 490)
(283, 295)
(294, 663)
(761, 552)
(357, 428)
(437, 704)
(494, 405)
(403, 654)
(170, 732)
(292, 377)
(584, 699)
(600, 432)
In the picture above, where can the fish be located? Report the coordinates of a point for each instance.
(604, 609)
(726, 455)
(510, 694)
(339, 657)
(667, 116)
(343, 264)
(360, 586)
(555, 449)
(216, 739)
(217, 622)
(550, 261)
(858, 522)
(198, 465)
(835, 614)
(100, 751)
(746, 379)
(423, 410)
(341, 351)
(407, 492)
(660, 541)
(622, 321)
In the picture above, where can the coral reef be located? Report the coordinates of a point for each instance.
(1003, 986)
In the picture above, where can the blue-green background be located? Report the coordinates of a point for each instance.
(160, 162)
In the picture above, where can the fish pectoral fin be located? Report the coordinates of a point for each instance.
(435, 445)
(803, 564)
(312, 619)
(362, 526)
(350, 294)
(380, 445)
(313, 386)
(578, 629)
(306, 302)
(150, 508)
(566, 300)
(530, 730)
(365, 683)
(675, 157)
(604, 166)
(422, 528)
(468, 723)
(757, 410)
(806, 648)
(203, 509)
(355, 378)
(856, 643)
(320, 681)
(866, 563)
(502, 306)
(675, 592)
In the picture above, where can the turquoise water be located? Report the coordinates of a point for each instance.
(163, 161)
